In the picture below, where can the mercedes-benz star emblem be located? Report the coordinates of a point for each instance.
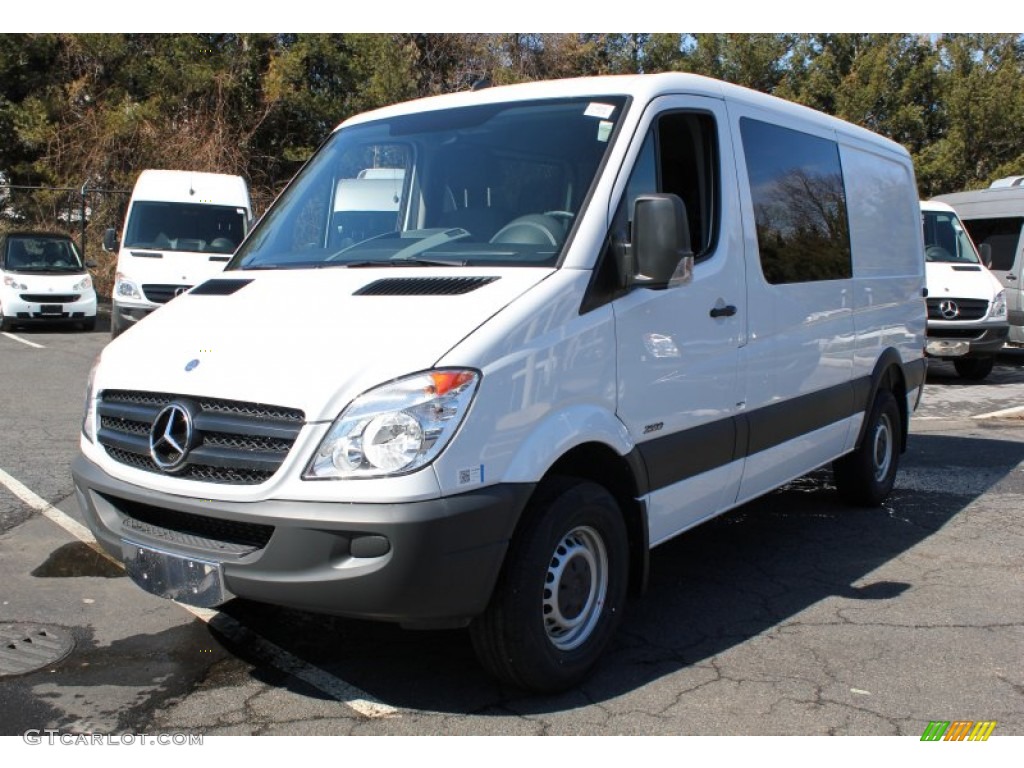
(170, 438)
(949, 309)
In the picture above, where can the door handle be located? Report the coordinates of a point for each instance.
(1011, 277)
(727, 311)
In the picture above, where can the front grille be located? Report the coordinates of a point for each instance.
(194, 530)
(161, 294)
(50, 298)
(968, 309)
(233, 442)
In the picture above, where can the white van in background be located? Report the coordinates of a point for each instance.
(966, 304)
(181, 228)
(367, 206)
(995, 219)
(602, 312)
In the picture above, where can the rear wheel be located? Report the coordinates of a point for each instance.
(974, 368)
(561, 592)
(867, 475)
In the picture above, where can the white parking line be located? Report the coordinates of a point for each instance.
(999, 414)
(273, 654)
(23, 341)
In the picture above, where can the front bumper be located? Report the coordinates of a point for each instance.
(975, 341)
(429, 563)
(50, 312)
(127, 316)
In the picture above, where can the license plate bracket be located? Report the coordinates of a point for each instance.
(189, 580)
(946, 348)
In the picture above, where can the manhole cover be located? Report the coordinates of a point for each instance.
(27, 647)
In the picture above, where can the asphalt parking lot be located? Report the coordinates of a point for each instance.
(793, 615)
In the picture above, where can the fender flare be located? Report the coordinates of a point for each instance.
(908, 374)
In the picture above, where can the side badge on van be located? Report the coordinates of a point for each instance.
(191, 365)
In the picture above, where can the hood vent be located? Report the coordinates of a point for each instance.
(423, 286)
(967, 269)
(220, 287)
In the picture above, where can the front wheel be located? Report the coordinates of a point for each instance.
(867, 475)
(6, 323)
(561, 592)
(974, 368)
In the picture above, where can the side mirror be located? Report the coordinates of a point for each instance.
(660, 255)
(986, 255)
(109, 239)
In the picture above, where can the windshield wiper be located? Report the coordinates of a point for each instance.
(408, 262)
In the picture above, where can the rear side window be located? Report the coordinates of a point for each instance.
(796, 186)
(999, 234)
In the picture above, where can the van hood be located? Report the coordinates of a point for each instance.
(960, 281)
(308, 339)
(149, 266)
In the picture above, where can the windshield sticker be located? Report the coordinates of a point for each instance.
(596, 109)
(604, 130)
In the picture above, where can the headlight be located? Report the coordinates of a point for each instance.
(10, 282)
(397, 427)
(125, 288)
(999, 306)
(89, 419)
(83, 285)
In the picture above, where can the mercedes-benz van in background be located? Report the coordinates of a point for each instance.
(181, 228)
(995, 219)
(604, 311)
(966, 304)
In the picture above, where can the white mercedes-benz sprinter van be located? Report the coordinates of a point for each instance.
(607, 310)
(995, 219)
(181, 228)
(966, 304)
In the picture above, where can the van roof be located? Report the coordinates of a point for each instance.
(986, 203)
(935, 205)
(192, 187)
(641, 87)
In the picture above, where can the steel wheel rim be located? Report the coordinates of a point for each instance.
(575, 588)
(882, 448)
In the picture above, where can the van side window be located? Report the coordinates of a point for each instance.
(1001, 235)
(680, 156)
(796, 186)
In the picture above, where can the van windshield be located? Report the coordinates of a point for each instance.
(497, 184)
(945, 239)
(41, 254)
(194, 227)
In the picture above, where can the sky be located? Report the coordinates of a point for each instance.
(521, 16)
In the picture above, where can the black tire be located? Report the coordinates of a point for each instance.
(541, 639)
(866, 476)
(89, 325)
(974, 368)
(6, 323)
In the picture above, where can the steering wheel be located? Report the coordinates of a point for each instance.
(937, 253)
